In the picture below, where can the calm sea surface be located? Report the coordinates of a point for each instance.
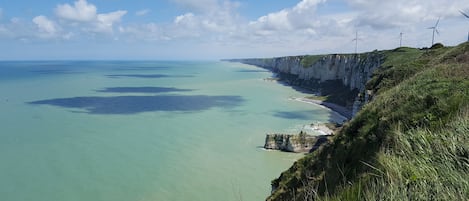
(142, 131)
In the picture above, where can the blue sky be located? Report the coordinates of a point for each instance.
(214, 29)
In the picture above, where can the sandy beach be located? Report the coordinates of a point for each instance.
(340, 110)
(343, 112)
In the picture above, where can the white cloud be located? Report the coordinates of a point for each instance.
(404, 13)
(112, 17)
(307, 5)
(187, 18)
(45, 25)
(273, 21)
(211, 20)
(80, 11)
(71, 21)
(40, 27)
(86, 13)
(142, 12)
(301, 16)
(187, 26)
(105, 22)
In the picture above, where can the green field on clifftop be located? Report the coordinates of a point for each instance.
(411, 142)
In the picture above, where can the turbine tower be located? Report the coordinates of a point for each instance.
(400, 41)
(467, 16)
(435, 29)
(356, 41)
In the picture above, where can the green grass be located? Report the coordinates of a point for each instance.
(422, 165)
(411, 142)
(308, 60)
(399, 64)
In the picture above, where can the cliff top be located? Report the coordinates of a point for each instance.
(309, 60)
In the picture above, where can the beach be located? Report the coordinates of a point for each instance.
(344, 113)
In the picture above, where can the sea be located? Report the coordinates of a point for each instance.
(143, 130)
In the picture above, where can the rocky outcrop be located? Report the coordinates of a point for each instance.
(324, 74)
(294, 143)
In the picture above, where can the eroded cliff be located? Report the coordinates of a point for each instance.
(294, 143)
(339, 77)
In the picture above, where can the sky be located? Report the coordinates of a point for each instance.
(217, 29)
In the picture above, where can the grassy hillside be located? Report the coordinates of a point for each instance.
(411, 142)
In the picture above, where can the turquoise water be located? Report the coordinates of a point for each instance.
(138, 131)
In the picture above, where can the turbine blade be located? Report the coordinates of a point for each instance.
(437, 32)
(465, 15)
(438, 21)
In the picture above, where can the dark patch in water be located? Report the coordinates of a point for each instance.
(53, 71)
(252, 71)
(142, 90)
(137, 104)
(303, 115)
(142, 68)
(146, 75)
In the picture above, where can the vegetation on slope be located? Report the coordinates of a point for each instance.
(308, 60)
(410, 143)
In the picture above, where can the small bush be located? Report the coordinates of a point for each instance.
(437, 46)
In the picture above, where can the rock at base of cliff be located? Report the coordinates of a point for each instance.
(295, 143)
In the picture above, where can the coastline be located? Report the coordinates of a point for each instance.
(343, 112)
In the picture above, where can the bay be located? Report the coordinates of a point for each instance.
(143, 130)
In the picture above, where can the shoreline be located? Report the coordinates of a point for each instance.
(340, 110)
(343, 112)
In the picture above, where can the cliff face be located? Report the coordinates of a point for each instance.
(294, 143)
(325, 74)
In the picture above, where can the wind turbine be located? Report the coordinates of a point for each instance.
(467, 16)
(435, 29)
(400, 41)
(356, 41)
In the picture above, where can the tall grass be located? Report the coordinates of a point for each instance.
(421, 165)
